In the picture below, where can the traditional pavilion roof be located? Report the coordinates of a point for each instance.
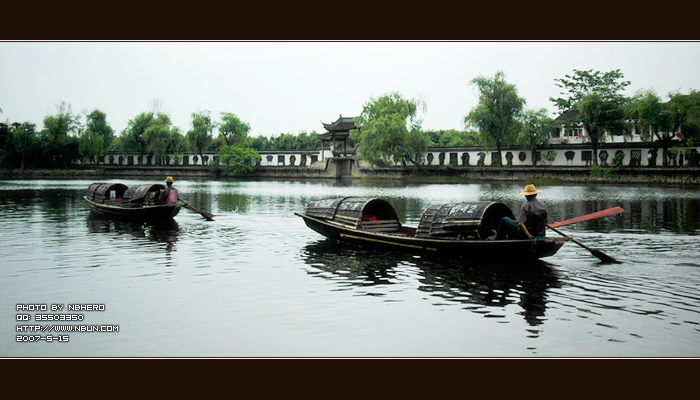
(342, 124)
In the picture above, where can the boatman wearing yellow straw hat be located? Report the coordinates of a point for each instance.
(169, 195)
(531, 221)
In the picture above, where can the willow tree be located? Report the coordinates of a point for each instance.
(97, 136)
(496, 115)
(22, 139)
(389, 131)
(133, 138)
(199, 137)
(58, 141)
(233, 130)
(158, 135)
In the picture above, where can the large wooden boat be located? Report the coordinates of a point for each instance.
(135, 202)
(459, 228)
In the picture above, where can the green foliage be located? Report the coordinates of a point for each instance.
(384, 135)
(685, 112)
(58, 144)
(609, 172)
(22, 139)
(134, 136)
(285, 141)
(238, 160)
(607, 85)
(617, 160)
(96, 137)
(158, 135)
(535, 130)
(496, 115)
(549, 156)
(597, 100)
(232, 129)
(453, 138)
(600, 115)
(651, 116)
(199, 138)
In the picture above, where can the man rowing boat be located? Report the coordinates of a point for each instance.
(531, 222)
(169, 195)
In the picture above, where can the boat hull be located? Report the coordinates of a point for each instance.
(146, 212)
(494, 249)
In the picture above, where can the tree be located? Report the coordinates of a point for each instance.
(97, 136)
(134, 135)
(453, 138)
(238, 160)
(232, 129)
(199, 138)
(597, 101)
(22, 138)
(384, 135)
(536, 128)
(684, 110)
(158, 135)
(58, 144)
(496, 114)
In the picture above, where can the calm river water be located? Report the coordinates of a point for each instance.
(256, 282)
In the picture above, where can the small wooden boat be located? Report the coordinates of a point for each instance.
(457, 229)
(136, 202)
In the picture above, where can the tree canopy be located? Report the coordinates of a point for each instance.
(596, 97)
(232, 129)
(97, 136)
(496, 115)
(199, 137)
(389, 130)
(535, 130)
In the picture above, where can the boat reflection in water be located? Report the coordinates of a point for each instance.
(165, 231)
(482, 286)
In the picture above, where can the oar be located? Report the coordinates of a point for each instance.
(599, 214)
(597, 253)
(208, 216)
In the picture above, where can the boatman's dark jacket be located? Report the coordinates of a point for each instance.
(534, 215)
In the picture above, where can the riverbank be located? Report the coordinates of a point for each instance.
(647, 175)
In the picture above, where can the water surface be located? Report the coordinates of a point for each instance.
(256, 282)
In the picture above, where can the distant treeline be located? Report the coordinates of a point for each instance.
(66, 138)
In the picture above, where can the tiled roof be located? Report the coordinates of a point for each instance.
(567, 116)
(342, 124)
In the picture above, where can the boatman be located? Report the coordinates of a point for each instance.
(531, 221)
(169, 195)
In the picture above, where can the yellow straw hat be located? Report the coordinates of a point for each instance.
(530, 190)
(169, 179)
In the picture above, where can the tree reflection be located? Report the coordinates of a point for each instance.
(479, 286)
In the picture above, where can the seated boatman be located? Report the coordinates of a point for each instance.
(531, 221)
(169, 195)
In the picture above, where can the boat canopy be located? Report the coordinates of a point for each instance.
(473, 220)
(140, 194)
(352, 210)
(100, 191)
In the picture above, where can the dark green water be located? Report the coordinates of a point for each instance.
(256, 282)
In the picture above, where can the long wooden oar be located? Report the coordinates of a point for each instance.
(208, 216)
(597, 253)
(587, 217)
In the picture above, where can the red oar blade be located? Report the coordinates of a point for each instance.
(599, 214)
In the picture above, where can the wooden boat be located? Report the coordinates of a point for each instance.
(456, 229)
(135, 202)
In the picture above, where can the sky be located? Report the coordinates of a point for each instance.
(293, 87)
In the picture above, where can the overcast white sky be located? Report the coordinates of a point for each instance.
(290, 87)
